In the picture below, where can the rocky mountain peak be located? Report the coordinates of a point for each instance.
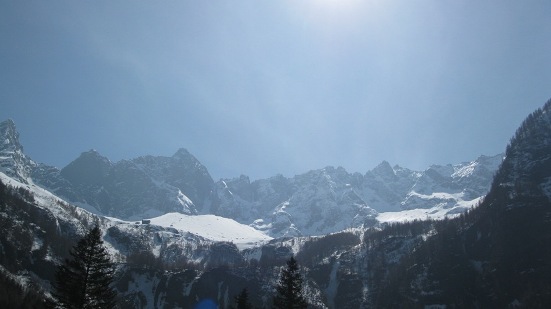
(90, 168)
(503, 234)
(184, 157)
(384, 170)
(314, 203)
(9, 137)
(93, 154)
(183, 154)
(13, 162)
(527, 159)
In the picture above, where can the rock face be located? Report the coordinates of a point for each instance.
(331, 199)
(497, 255)
(314, 203)
(145, 186)
(13, 161)
(129, 189)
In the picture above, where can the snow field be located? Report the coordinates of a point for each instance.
(214, 228)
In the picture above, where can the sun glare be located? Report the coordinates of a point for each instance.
(341, 4)
(336, 10)
(333, 16)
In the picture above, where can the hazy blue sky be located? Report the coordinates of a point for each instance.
(267, 87)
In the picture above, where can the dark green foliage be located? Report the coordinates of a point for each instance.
(22, 223)
(13, 295)
(85, 280)
(317, 248)
(274, 255)
(143, 259)
(289, 289)
(242, 300)
(491, 257)
(496, 255)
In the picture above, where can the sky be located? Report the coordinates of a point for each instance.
(262, 88)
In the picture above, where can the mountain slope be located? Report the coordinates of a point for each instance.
(140, 187)
(314, 203)
(135, 188)
(498, 255)
(331, 199)
(13, 161)
(40, 228)
(213, 228)
(129, 189)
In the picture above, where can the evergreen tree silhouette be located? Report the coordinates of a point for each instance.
(84, 281)
(242, 300)
(289, 289)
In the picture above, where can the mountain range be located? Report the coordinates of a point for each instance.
(482, 239)
(314, 203)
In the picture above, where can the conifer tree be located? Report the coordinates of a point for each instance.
(289, 289)
(84, 281)
(242, 300)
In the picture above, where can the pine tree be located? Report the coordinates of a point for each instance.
(242, 300)
(289, 289)
(85, 280)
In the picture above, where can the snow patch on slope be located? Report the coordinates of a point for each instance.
(46, 200)
(434, 213)
(214, 228)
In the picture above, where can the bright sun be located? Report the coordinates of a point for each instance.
(335, 11)
(337, 4)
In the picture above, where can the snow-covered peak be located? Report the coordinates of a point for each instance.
(328, 199)
(13, 162)
(481, 164)
(440, 170)
(9, 137)
(314, 203)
